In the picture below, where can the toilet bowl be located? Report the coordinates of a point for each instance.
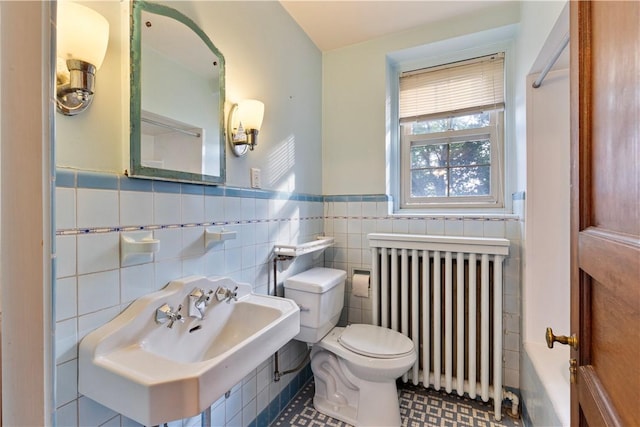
(354, 367)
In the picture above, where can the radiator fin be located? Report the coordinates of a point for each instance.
(449, 302)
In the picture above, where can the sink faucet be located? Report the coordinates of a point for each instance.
(166, 314)
(226, 294)
(198, 302)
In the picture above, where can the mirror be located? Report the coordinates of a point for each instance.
(177, 98)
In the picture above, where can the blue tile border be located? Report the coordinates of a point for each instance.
(132, 184)
(96, 180)
(238, 192)
(106, 181)
(262, 194)
(65, 178)
(166, 187)
(194, 189)
(358, 198)
(210, 190)
(68, 178)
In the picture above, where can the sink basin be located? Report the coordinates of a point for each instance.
(154, 374)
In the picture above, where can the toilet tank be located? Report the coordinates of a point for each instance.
(320, 294)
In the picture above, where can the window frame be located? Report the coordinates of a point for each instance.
(431, 55)
(495, 133)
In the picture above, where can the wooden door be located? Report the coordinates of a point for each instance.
(605, 229)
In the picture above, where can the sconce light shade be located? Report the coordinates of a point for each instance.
(251, 113)
(243, 125)
(82, 36)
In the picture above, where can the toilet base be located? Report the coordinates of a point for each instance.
(377, 406)
(341, 395)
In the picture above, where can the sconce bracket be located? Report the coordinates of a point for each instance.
(74, 92)
(238, 146)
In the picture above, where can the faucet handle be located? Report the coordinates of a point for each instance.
(196, 293)
(166, 314)
(226, 294)
(221, 293)
(206, 297)
(176, 317)
(233, 294)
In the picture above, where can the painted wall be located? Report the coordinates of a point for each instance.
(95, 139)
(93, 210)
(329, 107)
(351, 218)
(268, 57)
(546, 298)
(534, 46)
(0, 199)
(544, 379)
(26, 246)
(355, 146)
(354, 140)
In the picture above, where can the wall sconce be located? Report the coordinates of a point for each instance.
(245, 119)
(82, 36)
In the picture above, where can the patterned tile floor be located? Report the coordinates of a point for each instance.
(418, 407)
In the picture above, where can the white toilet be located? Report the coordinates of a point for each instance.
(354, 368)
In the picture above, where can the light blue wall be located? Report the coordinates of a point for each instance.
(93, 210)
(543, 125)
(269, 58)
(536, 22)
(355, 139)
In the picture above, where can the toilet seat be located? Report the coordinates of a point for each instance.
(375, 341)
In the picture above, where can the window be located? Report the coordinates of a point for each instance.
(451, 133)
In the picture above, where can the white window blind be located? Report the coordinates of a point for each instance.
(453, 88)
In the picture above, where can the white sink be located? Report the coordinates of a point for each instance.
(154, 374)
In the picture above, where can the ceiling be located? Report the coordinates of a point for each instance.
(334, 24)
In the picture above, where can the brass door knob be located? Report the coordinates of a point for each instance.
(562, 339)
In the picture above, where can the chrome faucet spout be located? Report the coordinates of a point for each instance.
(198, 302)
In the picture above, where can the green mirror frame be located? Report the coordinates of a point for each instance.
(137, 170)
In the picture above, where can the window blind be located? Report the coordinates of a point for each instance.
(453, 88)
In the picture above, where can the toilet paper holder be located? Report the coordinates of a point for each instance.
(361, 283)
(359, 271)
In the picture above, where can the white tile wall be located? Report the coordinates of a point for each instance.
(166, 209)
(435, 227)
(66, 297)
(192, 209)
(351, 251)
(136, 281)
(97, 208)
(66, 255)
(98, 252)
(92, 288)
(98, 291)
(65, 217)
(136, 208)
(67, 415)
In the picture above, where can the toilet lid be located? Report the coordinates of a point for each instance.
(375, 341)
